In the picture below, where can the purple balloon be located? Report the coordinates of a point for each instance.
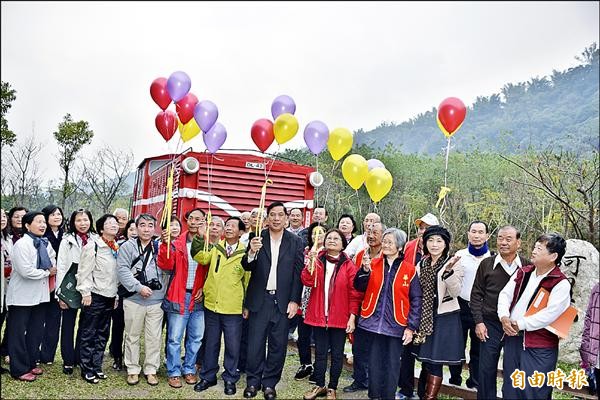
(316, 135)
(215, 137)
(374, 163)
(206, 114)
(281, 105)
(178, 85)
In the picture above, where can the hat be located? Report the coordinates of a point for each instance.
(429, 219)
(436, 230)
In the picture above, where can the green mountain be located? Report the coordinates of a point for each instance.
(561, 109)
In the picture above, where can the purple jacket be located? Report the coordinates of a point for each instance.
(590, 341)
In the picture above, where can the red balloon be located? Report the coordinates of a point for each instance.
(262, 134)
(452, 113)
(158, 91)
(166, 123)
(185, 107)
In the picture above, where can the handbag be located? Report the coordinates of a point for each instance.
(67, 291)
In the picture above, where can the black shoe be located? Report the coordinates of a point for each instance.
(456, 382)
(471, 384)
(354, 387)
(229, 388)
(303, 372)
(3, 370)
(118, 364)
(203, 384)
(101, 375)
(312, 379)
(250, 392)
(67, 370)
(269, 393)
(90, 378)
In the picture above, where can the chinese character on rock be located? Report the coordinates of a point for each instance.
(556, 378)
(537, 379)
(518, 379)
(577, 379)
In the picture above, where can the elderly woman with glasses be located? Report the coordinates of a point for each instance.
(332, 308)
(390, 311)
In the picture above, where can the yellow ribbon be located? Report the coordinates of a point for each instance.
(165, 219)
(206, 231)
(444, 190)
(261, 207)
(312, 261)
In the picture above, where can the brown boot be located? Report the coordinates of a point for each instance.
(331, 395)
(433, 387)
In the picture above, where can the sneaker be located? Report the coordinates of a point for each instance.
(303, 372)
(312, 379)
(133, 379)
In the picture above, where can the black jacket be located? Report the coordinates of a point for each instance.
(289, 266)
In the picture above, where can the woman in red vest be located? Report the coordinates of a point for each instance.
(440, 330)
(390, 311)
(332, 309)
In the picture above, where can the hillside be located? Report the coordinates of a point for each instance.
(557, 109)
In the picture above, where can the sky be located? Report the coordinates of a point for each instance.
(348, 64)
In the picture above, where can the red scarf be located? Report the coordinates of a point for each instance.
(84, 238)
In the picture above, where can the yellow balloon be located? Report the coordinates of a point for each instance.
(189, 130)
(339, 143)
(355, 170)
(378, 183)
(285, 128)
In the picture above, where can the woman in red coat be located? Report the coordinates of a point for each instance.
(332, 309)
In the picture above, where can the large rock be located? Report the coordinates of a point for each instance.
(580, 265)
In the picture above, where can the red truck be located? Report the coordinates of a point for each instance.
(234, 186)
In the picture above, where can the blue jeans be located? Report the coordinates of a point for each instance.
(179, 323)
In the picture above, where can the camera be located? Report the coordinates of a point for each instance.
(154, 284)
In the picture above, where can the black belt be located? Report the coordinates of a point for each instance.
(189, 290)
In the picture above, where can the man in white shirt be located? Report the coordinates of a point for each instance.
(360, 241)
(476, 251)
(530, 347)
(275, 259)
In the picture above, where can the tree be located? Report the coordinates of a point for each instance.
(7, 137)
(105, 174)
(20, 172)
(71, 137)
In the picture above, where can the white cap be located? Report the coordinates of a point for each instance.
(429, 219)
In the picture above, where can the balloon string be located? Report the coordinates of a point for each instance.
(358, 202)
(446, 167)
(443, 207)
(317, 188)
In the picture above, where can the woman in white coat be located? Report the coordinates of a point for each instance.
(32, 263)
(80, 232)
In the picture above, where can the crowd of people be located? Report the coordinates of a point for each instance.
(224, 280)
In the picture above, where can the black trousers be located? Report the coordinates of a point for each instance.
(117, 330)
(330, 340)
(269, 323)
(52, 316)
(69, 347)
(406, 380)
(95, 329)
(304, 334)
(26, 324)
(230, 327)
(360, 355)
(243, 347)
(489, 355)
(4, 341)
(384, 365)
(528, 360)
(468, 326)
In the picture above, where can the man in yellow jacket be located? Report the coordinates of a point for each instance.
(224, 291)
